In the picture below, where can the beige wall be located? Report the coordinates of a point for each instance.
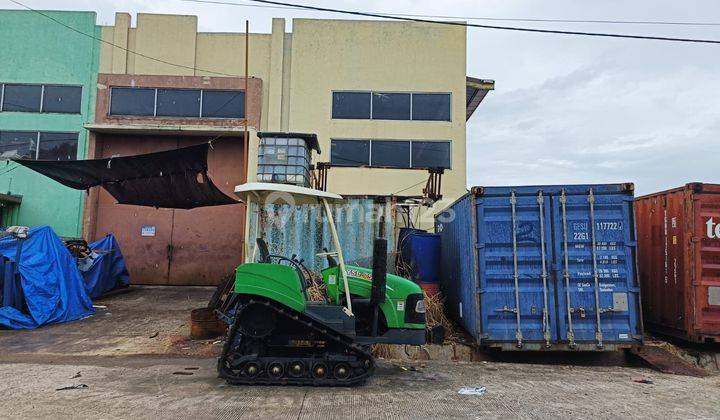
(332, 55)
(175, 39)
(300, 70)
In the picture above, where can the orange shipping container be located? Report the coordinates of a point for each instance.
(679, 261)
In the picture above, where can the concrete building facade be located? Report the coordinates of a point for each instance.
(305, 70)
(387, 100)
(47, 93)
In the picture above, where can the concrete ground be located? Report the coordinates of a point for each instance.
(128, 374)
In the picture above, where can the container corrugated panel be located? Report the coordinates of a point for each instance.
(304, 231)
(543, 267)
(679, 261)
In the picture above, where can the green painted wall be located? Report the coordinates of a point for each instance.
(37, 50)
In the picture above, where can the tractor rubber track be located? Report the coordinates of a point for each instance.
(342, 361)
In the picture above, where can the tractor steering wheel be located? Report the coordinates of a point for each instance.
(297, 265)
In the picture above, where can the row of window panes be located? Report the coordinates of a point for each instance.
(38, 145)
(40, 98)
(391, 106)
(391, 153)
(192, 103)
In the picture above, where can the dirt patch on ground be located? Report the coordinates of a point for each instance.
(143, 321)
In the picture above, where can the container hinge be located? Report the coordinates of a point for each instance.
(566, 271)
(598, 327)
(479, 246)
(516, 277)
(546, 321)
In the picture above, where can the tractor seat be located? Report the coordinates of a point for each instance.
(263, 250)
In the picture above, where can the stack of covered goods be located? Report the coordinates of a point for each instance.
(42, 282)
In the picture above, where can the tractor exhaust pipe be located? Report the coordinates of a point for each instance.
(379, 275)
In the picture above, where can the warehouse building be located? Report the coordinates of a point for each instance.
(387, 100)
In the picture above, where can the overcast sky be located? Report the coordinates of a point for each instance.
(566, 109)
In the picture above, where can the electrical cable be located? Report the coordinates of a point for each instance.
(494, 19)
(467, 25)
(159, 60)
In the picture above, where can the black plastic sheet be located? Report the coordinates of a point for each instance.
(173, 179)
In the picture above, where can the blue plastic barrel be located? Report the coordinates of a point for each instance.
(420, 255)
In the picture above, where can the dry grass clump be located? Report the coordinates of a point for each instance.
(435, 315)
(385, 351)
(317, 291)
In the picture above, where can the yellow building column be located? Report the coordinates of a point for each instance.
(120, 38)
(275, 82)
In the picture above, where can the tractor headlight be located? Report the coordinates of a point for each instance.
(415, 309)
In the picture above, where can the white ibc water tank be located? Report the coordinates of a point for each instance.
(285, 158)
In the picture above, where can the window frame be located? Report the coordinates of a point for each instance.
(38, 134)
(202, 93)
(42, 99)
(41, 109)
(42, 93)
(157, 93)
(332, 103)
(450, 97)
(369, 156)
(155, 103)
(411, 141)
(39, 142)
(373, 92)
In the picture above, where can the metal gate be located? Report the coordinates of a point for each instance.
(177, 247)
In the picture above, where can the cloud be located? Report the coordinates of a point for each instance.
(642, 112)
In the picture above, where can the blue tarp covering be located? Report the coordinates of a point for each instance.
(104, 270)
(49, 280)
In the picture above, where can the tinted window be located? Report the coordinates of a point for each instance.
(63, 99)
(22, 98)
(18, 144)
(178, 103)
(351, 105)
(58, 146)
(431, 106)
(132, 101)
(391, 154)
(431, 154)
(223, 104)
(350, 152)
(390, 106)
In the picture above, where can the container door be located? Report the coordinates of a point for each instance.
(516, 292)
(706, 282)
(595, 260)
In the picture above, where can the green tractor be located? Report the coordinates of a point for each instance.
(277, 335)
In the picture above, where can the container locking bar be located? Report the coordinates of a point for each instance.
(598, 331)
(546, 321)
(518, 331)
(566, 272)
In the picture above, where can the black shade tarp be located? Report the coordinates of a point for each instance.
(173, 179)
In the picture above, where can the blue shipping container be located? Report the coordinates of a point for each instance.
(543, 267)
